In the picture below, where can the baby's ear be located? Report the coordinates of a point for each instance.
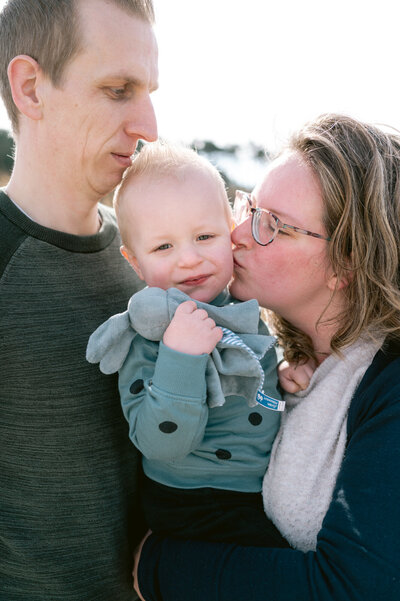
(132, 260)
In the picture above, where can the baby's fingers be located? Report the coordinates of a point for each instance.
(186, 308)
(289, 385)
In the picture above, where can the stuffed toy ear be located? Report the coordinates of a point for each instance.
(110, 343)
(148, 313)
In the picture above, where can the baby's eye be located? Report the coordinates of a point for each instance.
(163, 246)
(205, 236)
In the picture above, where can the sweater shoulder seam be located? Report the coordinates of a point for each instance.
(11, 238)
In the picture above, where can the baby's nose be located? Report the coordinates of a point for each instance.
(189, 256)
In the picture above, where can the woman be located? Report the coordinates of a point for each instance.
(319, 246)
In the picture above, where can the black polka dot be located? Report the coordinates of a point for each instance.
(255, 418)
(223, 454)
(136, 386)
(168, 427)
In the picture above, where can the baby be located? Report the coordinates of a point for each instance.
(197, 378)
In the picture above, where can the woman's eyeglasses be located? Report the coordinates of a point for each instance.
(264, 224)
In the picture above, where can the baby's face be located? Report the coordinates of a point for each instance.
(180, 234)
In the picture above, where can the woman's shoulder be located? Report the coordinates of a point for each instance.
(384, 367)
(379, 389)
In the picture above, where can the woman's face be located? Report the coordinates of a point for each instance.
(291, 275)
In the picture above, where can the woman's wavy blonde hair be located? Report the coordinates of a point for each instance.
(358, 167)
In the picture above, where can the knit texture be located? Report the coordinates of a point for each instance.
(68, 517)
(309, 447)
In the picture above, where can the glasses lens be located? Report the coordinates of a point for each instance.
(264, 227)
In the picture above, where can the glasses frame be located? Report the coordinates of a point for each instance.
(254, 211)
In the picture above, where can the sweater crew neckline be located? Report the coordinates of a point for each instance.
(70, 242)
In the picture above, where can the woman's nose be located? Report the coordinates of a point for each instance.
(241, 235)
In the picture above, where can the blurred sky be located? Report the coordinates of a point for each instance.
(235, 71)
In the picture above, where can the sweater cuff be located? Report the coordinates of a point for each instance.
(180, 373)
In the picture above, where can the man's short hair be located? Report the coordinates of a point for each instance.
(47, 31)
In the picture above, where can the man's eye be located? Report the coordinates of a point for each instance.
(118, 92)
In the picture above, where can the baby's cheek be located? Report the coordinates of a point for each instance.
(159, 278)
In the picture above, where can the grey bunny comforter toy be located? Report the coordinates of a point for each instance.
(233, 366)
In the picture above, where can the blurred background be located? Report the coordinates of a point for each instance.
(237, 77)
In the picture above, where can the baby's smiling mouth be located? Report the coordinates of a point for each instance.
(195, 281)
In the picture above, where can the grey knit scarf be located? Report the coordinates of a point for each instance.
(309, 447)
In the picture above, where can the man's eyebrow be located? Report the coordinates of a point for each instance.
(122, 78)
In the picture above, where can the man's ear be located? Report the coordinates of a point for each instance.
(132, 260)
(24, 74)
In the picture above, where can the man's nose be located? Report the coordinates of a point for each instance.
(143, 123)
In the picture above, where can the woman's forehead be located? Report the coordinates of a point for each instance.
(290, 188)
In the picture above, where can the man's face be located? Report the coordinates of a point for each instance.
(93, 121)
(179, 233)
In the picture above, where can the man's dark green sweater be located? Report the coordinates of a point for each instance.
(68, 513)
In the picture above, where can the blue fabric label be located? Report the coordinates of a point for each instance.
(269, 402)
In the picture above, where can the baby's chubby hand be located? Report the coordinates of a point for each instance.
(191, 331)
(294, 378)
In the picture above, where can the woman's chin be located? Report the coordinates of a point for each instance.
(238, 291)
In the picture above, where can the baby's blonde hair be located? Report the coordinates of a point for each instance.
(162, 159)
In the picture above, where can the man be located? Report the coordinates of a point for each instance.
(80, 75)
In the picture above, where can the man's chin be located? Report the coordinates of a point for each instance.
(107, 187)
